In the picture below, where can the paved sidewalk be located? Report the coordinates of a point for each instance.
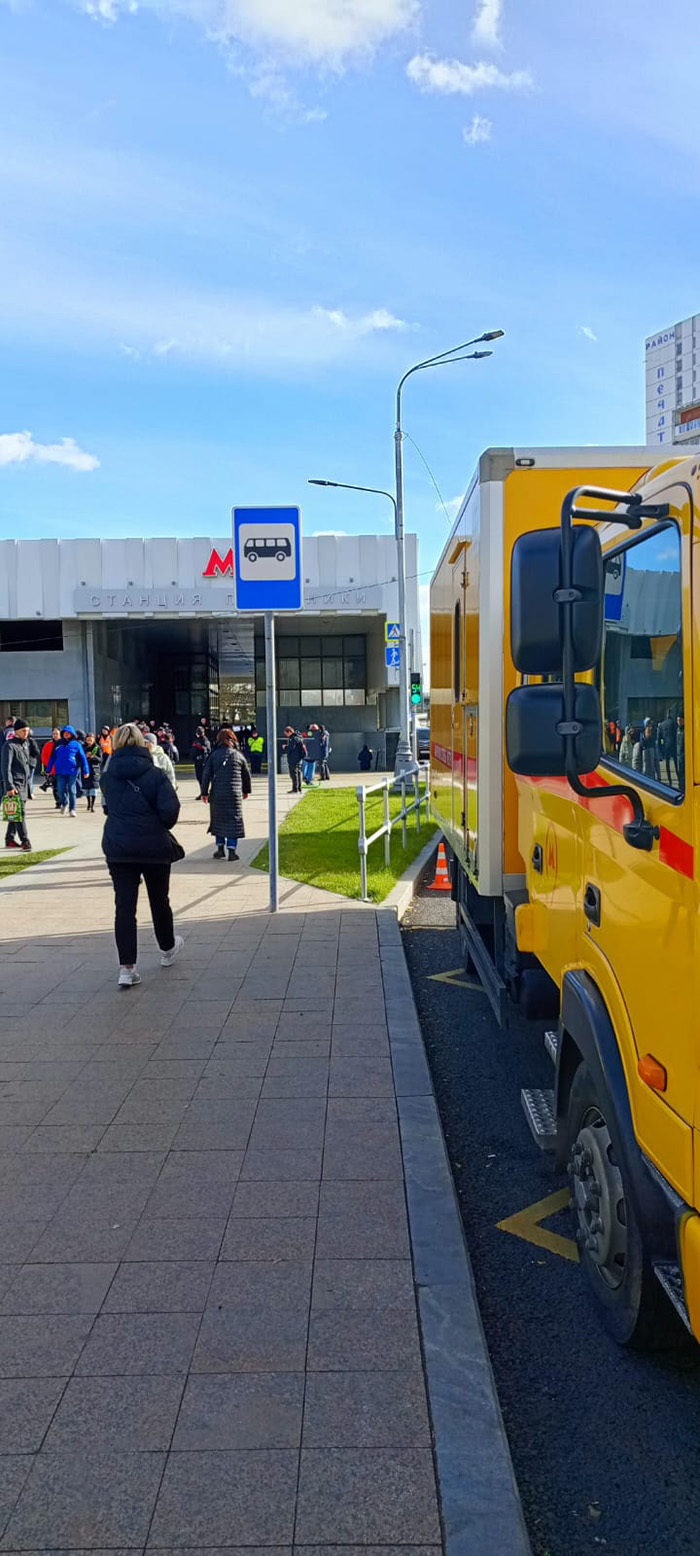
(209, 1331)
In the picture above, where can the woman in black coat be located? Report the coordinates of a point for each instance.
(140, 806)
(227, 775)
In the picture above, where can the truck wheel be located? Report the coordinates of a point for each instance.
(630, 1301)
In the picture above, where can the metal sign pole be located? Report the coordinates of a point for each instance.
(271, 691)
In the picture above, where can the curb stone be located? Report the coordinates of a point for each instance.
(480, 1502)
(401, 895)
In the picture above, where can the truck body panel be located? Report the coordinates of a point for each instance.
(587, 901)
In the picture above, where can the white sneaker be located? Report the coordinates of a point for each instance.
(128, 976)
(168, 957)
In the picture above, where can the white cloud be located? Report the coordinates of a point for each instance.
(377, 321)
(168, 323)
(451, 76)
(585, 329)
(329, 33)
(479, 130)
(487, 23)
(269, 84)
(18, 448)
(452, 506)
(108, 10)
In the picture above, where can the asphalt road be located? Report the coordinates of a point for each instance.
(605, 1443)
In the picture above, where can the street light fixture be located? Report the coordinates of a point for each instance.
(404, 758)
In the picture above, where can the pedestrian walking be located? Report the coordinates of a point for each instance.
(324, 751)
(200, 750)
(140, 807)
(69, 763)
(364, 758)
(93, 757)
(256, 746)
(167, 744)
(15, 769)
(226, 778)
(160, 756)
(296, 754)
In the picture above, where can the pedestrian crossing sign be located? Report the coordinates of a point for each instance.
(392, 631)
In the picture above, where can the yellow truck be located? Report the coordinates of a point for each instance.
(564, 774)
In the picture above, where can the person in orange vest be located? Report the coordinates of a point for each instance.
(105, 742)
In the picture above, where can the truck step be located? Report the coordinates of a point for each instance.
(551, 1043)
(669, 1276)
(538, 1107)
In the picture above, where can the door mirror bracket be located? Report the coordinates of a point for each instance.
(640, 832)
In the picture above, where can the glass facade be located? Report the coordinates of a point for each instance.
(45, 714)
(313, 672)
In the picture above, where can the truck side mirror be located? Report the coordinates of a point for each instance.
(537, 598)
(535, 747)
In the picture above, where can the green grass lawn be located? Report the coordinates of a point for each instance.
(318, 843)
(13, 861)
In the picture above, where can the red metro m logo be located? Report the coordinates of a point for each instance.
(218, 566)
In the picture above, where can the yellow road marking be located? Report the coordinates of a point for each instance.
(526, 1224)
(457, 978)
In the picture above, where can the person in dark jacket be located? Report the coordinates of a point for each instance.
(140, 806)
(68, 761)
(15, 765)
(680, 749)
(324, 751)
(666, 748)
(93, 756)
(201, 749)
(365, 758)
(645, 759)
(227, 775)
(296, 754)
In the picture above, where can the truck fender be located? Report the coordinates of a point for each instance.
(588, 1035)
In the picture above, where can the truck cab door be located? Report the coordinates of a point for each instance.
(638, 910)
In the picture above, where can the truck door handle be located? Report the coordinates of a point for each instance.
(591, 904)
(538, 858)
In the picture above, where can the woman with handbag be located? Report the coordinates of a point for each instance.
(227, 775)
(140, 806)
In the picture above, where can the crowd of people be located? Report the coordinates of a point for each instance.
(656, 750)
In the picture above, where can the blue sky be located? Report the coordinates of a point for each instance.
(229, 225)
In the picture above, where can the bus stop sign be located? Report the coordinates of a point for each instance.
(267, 558)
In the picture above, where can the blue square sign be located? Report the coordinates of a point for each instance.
(393, 656)
(267, 559)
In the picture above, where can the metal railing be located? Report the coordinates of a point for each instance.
(409, 781)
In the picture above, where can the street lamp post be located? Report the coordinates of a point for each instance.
(404, 755)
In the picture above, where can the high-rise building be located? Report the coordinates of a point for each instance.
(673, 384)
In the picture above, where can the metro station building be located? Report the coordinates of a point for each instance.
(100, 631)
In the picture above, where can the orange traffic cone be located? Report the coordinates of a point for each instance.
(442, 880)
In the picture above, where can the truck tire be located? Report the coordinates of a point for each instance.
(630, 1301)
